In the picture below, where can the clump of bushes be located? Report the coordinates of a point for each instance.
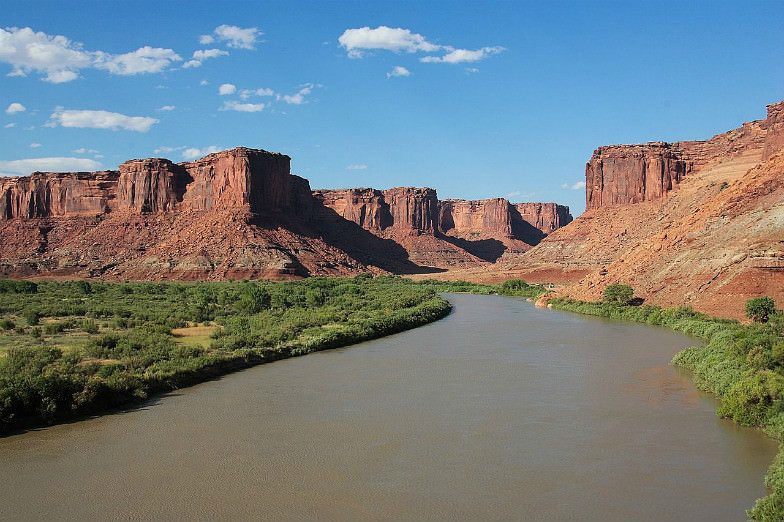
(759, 309)
(618, 294)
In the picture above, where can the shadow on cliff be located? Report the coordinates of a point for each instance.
(367, 248)
(523, 230)
(485, 249)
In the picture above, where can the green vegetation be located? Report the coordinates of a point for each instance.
(512, 287)
(741, 364)
(73, 348)
(760, 308)
(620, 294)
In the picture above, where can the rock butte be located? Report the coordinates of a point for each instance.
(696, 223)
(240, 213)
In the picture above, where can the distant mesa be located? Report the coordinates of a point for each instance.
(241, 213)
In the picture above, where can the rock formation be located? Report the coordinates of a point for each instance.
(238, 213)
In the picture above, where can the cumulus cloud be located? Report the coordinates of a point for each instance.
(203, 54)
(165, 150)
(576, 186)
(143, 60)
(399, 70)
(59, 59)
(195, 153)
(247, 93)
(10, 125)
(242, 107)
(204, 82)
(166, 108)
(99, 120)
(83, 150)
(299, 97)
(226, 89)
(357, 167)
(463, 55)
(233, 36)
(57, 164)
(357, 41)
(15, 107)
(35, 145)
(519, 194)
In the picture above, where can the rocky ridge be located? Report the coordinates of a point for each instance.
(240, 213)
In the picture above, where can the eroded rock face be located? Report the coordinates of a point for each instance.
(774, 129)
(547, 217)
(241, 177)
(151, 185)
(622, 174)
(476, 219)
(364, 206)
(45, 194)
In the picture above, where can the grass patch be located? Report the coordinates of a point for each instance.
(195, 335)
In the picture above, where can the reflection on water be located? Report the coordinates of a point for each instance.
(499, 412)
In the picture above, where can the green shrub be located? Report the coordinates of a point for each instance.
(32, 316)
(618, 294)
(7, 324)
(759, 309)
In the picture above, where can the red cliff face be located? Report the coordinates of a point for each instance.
(45, 194)
(150, 185)
(240, 177)
(475, 219)
(622, 174)
(547, 217)
(774, 128)
(403, 210)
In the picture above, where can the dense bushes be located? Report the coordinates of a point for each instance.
(619, 294)
(95, 345)
(742, 364)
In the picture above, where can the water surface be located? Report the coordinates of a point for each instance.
(501, 411)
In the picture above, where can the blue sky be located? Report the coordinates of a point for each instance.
(475, 99)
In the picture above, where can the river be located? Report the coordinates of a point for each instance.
(501, 411)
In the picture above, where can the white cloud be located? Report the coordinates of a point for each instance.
(35, 145)
(165, 150)
(576, 186)
(143, 60)
(204, 82)
(195, 153)
(247, 93)
(100, 120)
(203, 54)
(54, 56)
(472, 70)
(234, 36)
(166, 108)
(463, 55)
(60, 60)
(9, 125)
(242, 107)
(299, 97)
(519, 194)
(15, 107)
(399, 70)
(83, 150)
(227, 88)
(357, 167)
(57, 164)
(355, 41)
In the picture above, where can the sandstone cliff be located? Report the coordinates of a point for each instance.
(706, 231)
(240, 213)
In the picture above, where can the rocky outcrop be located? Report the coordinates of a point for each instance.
(623, 174)
(774, 130)
(364, 206)
(476, 219)
(45, 194)
(255, 179)
(151, 185)
(546, 217)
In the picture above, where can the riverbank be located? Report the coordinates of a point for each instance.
(742, 364)
(72, 349)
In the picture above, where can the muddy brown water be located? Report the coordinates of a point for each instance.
(499, 412)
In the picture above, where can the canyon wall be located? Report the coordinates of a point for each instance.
(44, 194)
(624, 174)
